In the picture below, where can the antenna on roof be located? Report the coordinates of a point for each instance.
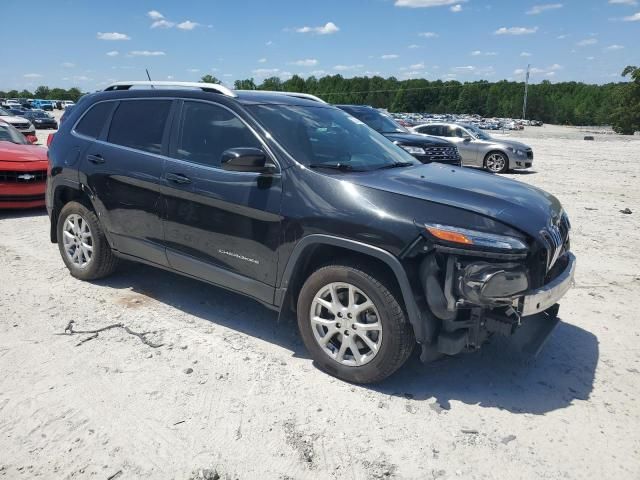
(148, 76)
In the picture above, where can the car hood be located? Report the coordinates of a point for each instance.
(13, 119)
(521, 206)
(11, 152)
(416, 140)
(509, 143)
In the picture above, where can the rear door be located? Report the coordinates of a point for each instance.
(221, 226)
(123, 169)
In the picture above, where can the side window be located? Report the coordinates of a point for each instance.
(207, 130)
(140, 124)
(93, 121)
(460, 133)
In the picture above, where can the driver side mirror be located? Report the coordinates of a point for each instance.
(246, 159)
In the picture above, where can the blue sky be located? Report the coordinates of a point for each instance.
(90, 44)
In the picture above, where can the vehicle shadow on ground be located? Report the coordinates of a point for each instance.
(22, 213)
(500, 376)
(497, 376)
(208, 302)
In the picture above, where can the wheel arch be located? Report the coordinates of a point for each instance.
(315, 250)
(62, 195)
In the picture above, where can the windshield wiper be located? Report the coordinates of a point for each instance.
(396, 165)
(335, 166)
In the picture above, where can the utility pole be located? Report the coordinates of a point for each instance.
(526, 92)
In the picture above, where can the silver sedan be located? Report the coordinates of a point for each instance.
(479, 149)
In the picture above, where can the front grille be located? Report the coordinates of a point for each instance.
(22, 198)
(35, 176)
(21, 125)
(442, 154)
(529, 154)
(556, 239)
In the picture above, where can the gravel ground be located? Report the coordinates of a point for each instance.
(233, 391)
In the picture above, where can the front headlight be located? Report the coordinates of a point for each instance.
(465, 237)
(413, 150)
(516, 151)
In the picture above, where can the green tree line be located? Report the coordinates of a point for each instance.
(572, 103)
(45, 93)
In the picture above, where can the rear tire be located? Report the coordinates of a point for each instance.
(82, 243)
(353, 325)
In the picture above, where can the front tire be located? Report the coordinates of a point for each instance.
(82, 243)
(496, 162)
(353, 325)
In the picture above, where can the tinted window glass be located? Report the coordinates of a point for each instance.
(207, 131)
(140, 124)
(93, 121)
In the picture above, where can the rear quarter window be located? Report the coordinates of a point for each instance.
(92, 122)
(140, 124)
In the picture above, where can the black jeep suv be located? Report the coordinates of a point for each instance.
(298, 205)
(425, 148)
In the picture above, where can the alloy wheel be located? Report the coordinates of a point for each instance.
(346, 324)
(495, 162)
(77, 240)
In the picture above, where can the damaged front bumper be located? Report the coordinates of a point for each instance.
(474, 299)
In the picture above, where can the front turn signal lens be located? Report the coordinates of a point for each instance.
(450, 236)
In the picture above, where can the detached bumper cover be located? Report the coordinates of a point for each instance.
(540, 299)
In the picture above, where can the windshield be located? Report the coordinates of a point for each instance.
(321, 136)
(377, 120)
(476, 132)
(10, 134)
(3, 112)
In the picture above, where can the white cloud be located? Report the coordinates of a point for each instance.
(525, 54)
(477, 53)
(417, 66)
(555, 66)
(632, 18)
(67, 65)
(317, 73)
(518, 71)
(515, 31)
(562, 37)
(155, 15)
(146, 53)
(428, 34)
(467, 68)
(307, 62)
(611, 48)
(456, 8)
(413, 45)
(262, 60)
(265, 72)
(342, 68)
(112, 36)
(187, 25)
(425, 3)
(538, 9)
(32, 75)
(269, 43)
(113, 53)
(591, 58)
(587, 41)
(326, 29)
(193, 70)
(623, 2)
(162, 24)
(389, 56)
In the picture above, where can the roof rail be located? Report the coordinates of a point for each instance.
(306, 96)
(206, 87)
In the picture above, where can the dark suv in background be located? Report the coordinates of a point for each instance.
(292, 202)
(425, 148)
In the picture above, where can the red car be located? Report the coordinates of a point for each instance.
(23, 170)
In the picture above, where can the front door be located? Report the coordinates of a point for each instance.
(221, 226)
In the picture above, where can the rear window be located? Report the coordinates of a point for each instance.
(92, 122)
(140, 124)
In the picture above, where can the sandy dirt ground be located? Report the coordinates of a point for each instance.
(233, 391)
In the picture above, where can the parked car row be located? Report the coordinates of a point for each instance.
(412, 119)
(29, 103)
